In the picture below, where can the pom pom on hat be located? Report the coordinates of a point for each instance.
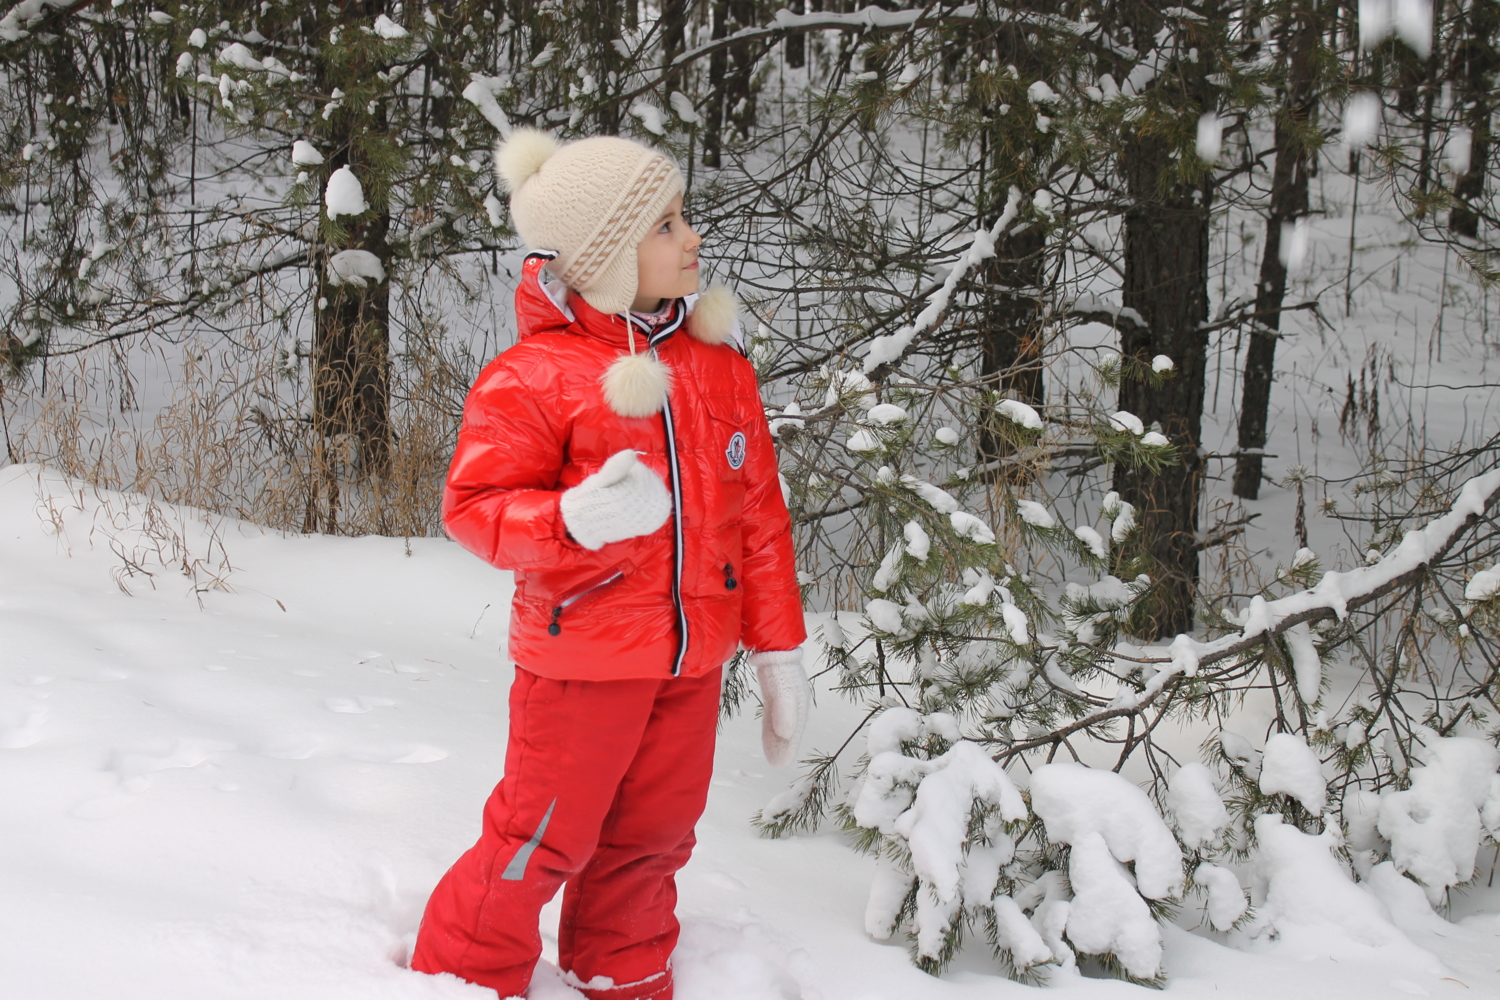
(519, 157)
(714, 315)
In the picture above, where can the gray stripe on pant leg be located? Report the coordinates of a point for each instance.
(516, 870)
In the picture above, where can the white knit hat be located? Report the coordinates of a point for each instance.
(593, 201)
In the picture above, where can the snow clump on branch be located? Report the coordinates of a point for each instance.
(930, 806)
(1014, 409)
(1435, 826)
(345, 195)
(1197, 811)
(1290, 767)
(1108, 821)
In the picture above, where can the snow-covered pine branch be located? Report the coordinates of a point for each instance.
(889, 348)
(976, 654)
(1334, 597)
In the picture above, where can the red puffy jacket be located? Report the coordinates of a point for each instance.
(536, 423)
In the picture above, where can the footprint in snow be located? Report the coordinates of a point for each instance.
(300, 746)
(402, 753)
(133, 766)
(291, 746)
(547, 983)
(22, 730)
(716, 961)
(357, 705)
(723, 880)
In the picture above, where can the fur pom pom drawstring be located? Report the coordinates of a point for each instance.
(636, 385)
(714, 315)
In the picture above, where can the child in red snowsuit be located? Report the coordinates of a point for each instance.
(618, 460)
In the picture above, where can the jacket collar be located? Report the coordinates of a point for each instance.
(545, 306)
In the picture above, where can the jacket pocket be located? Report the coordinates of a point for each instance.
(727, 447)
(589, 590)
(726, 451)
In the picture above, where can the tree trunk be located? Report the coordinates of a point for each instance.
(1430, 75)
(601, 29)
(1165, 299)
(351, 374)
(731, 75)
(351, 343)
(673, 26)
(1010, 337)
(1478, 62)
(1166, 284)
(718, 69)
(796, 43)
(1288, 203)
(1011, 333)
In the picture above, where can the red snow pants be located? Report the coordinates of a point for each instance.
(604, 781)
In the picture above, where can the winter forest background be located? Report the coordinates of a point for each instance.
(1128, 364)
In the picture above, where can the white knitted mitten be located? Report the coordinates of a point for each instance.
(624, 499)
(783, 689)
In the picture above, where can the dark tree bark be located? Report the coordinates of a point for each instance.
(351, 343)
(351, 367)
(1166, 227)
(1166, 283)
(718, 69)
(796, 43)
(1010, 335)
(601, 29)
(1428, 84)
(673, 24)
(1288, 203)
(1477, 60)
(1010, 338)
(731, 73)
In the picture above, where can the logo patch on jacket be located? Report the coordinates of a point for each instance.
(736, 450)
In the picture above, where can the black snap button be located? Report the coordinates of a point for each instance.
(554, 629)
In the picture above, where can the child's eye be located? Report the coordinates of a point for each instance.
(666, 227)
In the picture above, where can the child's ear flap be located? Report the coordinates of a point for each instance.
(714, 315)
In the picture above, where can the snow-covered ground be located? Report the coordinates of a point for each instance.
(233, 763)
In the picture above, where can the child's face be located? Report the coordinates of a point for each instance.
(667, 260)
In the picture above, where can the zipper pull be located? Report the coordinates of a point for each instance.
(555, 628)
(729, 581)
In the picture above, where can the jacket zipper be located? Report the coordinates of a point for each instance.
(656, 337)
(555, 627)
